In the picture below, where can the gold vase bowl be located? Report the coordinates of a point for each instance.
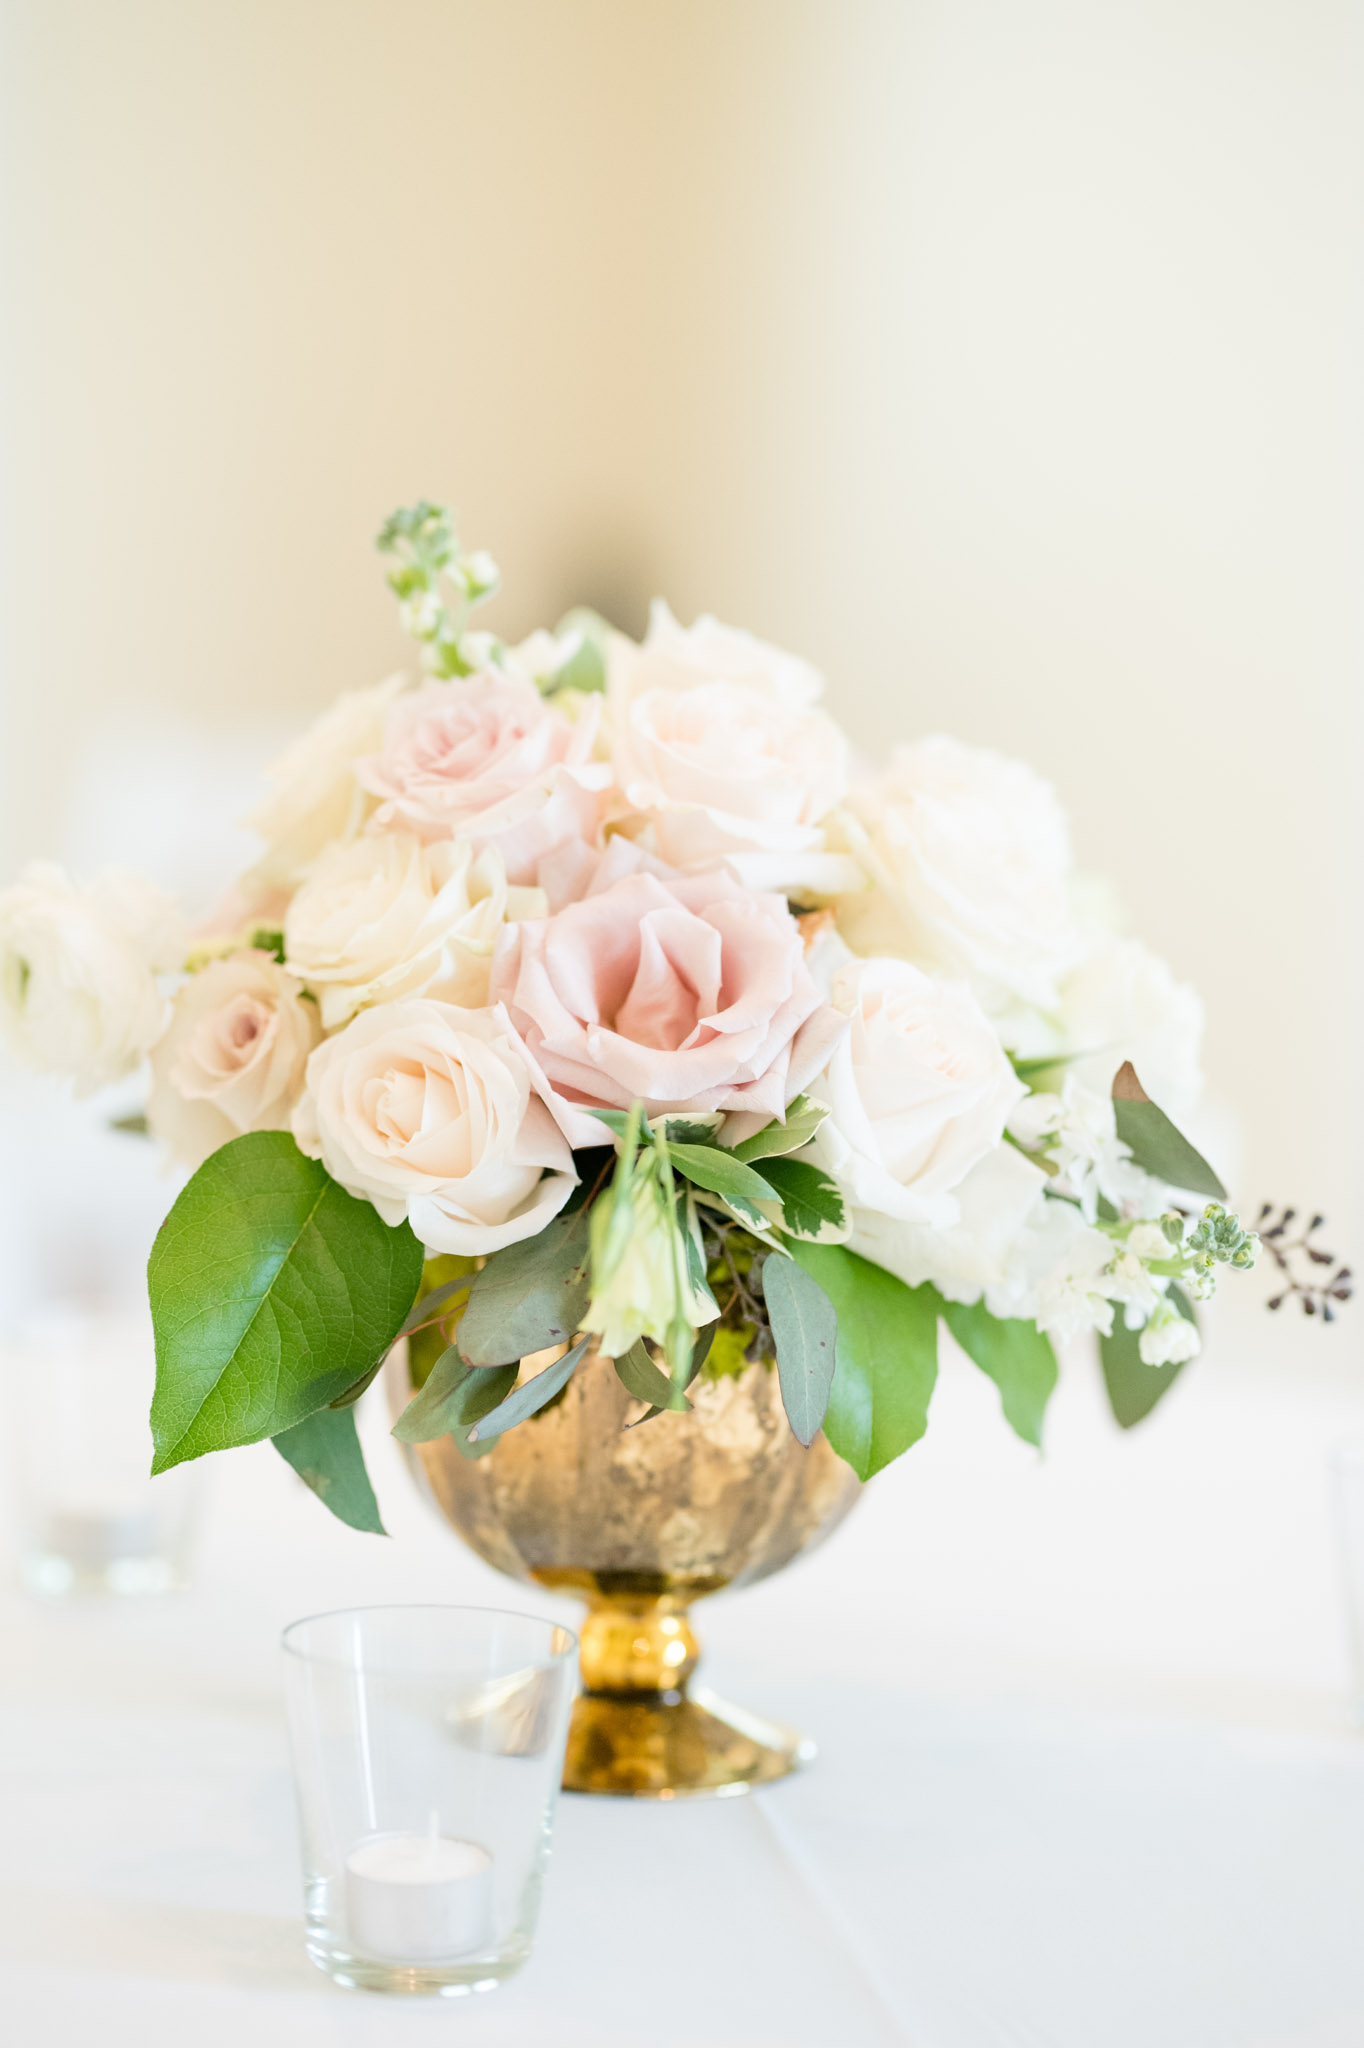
(641, 1521)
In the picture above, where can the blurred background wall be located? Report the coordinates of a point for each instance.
(1000, 358)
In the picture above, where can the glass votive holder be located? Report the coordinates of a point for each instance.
(90, 1517)
(428, 1747)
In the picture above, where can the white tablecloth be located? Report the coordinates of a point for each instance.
(1087, 1775)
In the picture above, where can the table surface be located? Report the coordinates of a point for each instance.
(1087, 1774)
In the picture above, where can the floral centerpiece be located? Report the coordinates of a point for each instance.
(589, 979)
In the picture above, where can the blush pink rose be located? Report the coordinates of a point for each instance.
(686, 992)
(486, 758)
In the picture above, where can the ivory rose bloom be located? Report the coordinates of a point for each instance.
(688, 992)
(384, 917)
(233, 1057)
(918, 1092)
(968, 856)
(78, 989)
(485, 757)
(435, 1113)
(733, 772)
(1123, 1003)
(314, 796)
(996, 1205)
(676, 657)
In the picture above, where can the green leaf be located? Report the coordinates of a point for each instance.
(534, 1394)
(1015, 1355)
(805, 1330)
(325, 1452)
(1156, 1146)
(707, 1166)
(803, 1119)
(529, 1296)
(616, 1120)
(454, 1396)
(887, 1356)
(1133, 1386)
(272, 1292)
(811, 1204)
(639, 1376)
(133, 1126)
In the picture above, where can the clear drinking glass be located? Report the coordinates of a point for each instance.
(428, 1746)
(1347, 1500)
(91, 1519)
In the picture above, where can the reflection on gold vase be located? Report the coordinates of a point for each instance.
(642, 1521)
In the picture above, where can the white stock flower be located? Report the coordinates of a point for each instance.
(437, 1114)
(1056, 1274)
(968, 857)
(314, 797)
(1169, 1338)
(1123, 1003)
(726, 762)
(918, 1091)
(78, 989)
(385, 917)
(1077, 1132)
(233, 1056)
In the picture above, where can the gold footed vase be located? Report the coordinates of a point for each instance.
(642, 1521)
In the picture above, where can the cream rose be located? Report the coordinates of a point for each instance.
(968, 856)
(487, 758)
(78, 988)
(977, 1255)
(687, 992)
(1123, 1003)
(918, 1093)
(314, 797)
(233, 1056)
(384, 917)
(676, 657)
(436, 1114)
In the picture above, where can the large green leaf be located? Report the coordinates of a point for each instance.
(529, 1296)
(707, 1166)
(805, 1331)
(454, 1396)
(272, 1292)
(1015, 1355)
(1134, 1387)
(532, 1395)
(325, 1452)
(887, 1354)
(1156, 1146)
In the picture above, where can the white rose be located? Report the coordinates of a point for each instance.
(233, 1057)
(78, 989)
(918, 1090)
(676, 657)
(315, 797)
(385, 916)
(969, 860)
(1123, 1003)
(730, 772)
(438, 1114)
(995, 1203)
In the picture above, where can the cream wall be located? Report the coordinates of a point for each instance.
(1000, 357)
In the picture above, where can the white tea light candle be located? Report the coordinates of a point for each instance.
(419, 1898)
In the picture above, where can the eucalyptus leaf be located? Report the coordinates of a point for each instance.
(811, 1204)
(1015, 1355)
(639, 1375)
(805, 1330)
(455, 1396)
(273, 1291)
(534, 1394)
(887, 1352)
(803, 1119)
(529, 1296)
(1156, 1146)
(324, 1450)
(1133, 1386)
(719, 1172)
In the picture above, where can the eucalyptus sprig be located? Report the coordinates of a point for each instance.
(438, 585)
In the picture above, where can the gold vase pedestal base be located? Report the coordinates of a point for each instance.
(676, 1746)
(637, 1731)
